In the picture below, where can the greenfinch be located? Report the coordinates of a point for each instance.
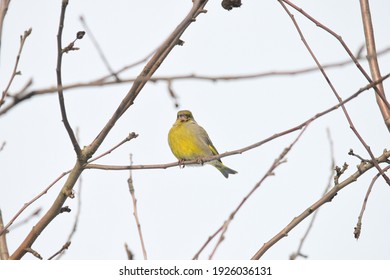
(189, 141)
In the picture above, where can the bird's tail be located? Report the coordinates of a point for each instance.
(223, 169)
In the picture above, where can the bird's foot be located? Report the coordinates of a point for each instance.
(181, 163)
(200, 161)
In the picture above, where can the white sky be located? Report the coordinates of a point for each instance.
(180, 208)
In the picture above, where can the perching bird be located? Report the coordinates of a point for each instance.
(189, 141)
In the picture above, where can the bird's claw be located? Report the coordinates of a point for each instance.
(181, 163)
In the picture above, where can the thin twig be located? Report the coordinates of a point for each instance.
(135, 213)
(35, 213)
(349, 120)
(361, 169)
(34, 253)
(129, 254)
(15, 70)
(131, 135)
(61, 251)
(299, 253)
(358, 228)
(99, 49)
(23, 96)
(27, 204)
(2, 146)
(270, 172)
(172, 94)
(60, 52)
(340, 39)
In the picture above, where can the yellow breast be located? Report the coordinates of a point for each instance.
(185, 143)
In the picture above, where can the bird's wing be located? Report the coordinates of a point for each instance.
(205, 137)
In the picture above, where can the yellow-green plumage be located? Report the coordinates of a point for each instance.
(189, 141)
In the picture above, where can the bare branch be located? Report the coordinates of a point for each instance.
(241, 150)
(34, 253)
(351, 125)
(372, 58)
(88, 151)
(104, 81)
(27, 204)
(4, 255)
(61, 251)
(33, 214)
(129, 254)
(15, 70)
(3, 11)
(339, 38)
(2, 146)
(60, 52)
(270, 172)
(361, 169)
(358, 228)
(99, 49)
(299, 253)
(135, 213)
(147, 72)
(131, 135)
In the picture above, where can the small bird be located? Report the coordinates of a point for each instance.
(189, 141)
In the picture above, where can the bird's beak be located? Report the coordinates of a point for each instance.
(182, 118)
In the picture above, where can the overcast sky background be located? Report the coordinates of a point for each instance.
(180, 208)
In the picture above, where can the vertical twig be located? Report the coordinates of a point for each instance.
(4, 255)
(99, 49)
(129, 254)
(60, 52)
(2, 146)
(358, 228)
(15, 70)
(3, 11)
(373, 59)
(293, 256)
(135, 213)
